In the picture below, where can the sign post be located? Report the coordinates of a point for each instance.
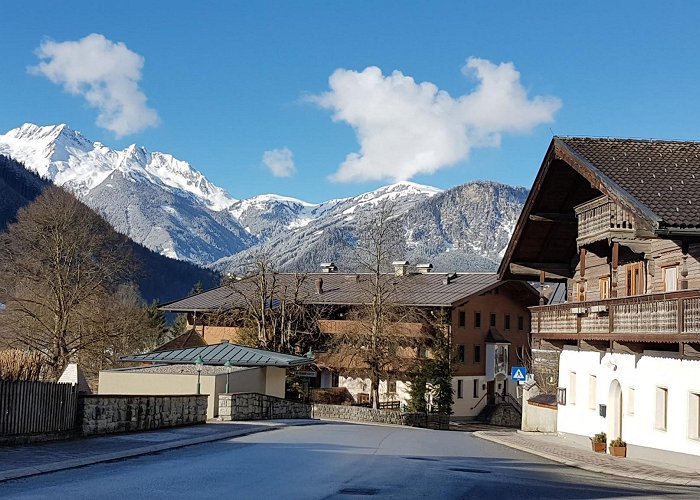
(518, 373)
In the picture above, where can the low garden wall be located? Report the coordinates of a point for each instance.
(256, 406)
(370, 415)
(106, 414)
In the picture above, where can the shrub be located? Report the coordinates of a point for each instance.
(601, 437)
(618, 442)
(16, 364)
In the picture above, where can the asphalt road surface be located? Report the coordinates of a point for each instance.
(335, 460)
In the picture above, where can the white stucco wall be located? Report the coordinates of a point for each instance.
(642, 373)
(462, 407)
(356, 385)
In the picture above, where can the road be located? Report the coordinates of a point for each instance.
(337, 460)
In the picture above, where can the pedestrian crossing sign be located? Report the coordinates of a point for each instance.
(518, 373)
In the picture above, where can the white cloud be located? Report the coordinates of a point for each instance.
(280, 162)
(406, 128)
(106, 74)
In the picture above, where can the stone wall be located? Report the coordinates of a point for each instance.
(395, 417)
(107, 414)
(256, 406)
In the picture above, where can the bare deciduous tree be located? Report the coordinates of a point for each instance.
(378, 337)
(60, 264)
(271, 307)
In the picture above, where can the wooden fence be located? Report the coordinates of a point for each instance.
(36, 407)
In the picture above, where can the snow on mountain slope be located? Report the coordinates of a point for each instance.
(65, 157)
(166, 205)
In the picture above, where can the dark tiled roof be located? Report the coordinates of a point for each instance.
(664, 176)
(431, 289)
(218, 354)
(188, 339)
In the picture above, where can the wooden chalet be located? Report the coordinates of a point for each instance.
(617, 222)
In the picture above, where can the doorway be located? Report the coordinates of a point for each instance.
(614, 413)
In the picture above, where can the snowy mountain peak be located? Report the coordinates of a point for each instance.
(66, 157)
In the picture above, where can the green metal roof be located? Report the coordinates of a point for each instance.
(218, 354)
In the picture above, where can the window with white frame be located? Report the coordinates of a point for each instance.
(592, 391)
(661, 420)
(630, 401)
(694, 416)
(391, 386)
(669, 275)
(572, 388)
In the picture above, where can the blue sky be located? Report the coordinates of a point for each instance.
(226, 82)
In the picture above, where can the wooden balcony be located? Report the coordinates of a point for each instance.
(664, 317)
(600, 219)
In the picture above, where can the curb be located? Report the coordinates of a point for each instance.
(143, 450)
(590, 467)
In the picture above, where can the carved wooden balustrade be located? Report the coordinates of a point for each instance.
(661, 315)
(600, 218)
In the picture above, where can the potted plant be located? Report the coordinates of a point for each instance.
(598, 442)
(618, 448)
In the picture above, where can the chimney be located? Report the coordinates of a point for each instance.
(425, 268)
(319, 285)
(328, 267)
(448, 278)
(400, 267)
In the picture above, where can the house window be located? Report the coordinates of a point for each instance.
(635, 278)
(694, 416)
(492, 320)
(581, 291)
(661, 419)
(521, 323)
(477, 354)
(460, 389)
(422, 352)
(630, 401)
(460, 353)
(572, 388)
(669, 275)
(520, 353)
(592, 391)
(391, 386)
(462, 320)
(604, 288)
(506, 321)
(475, 389)
(477, 320)
(561, 395)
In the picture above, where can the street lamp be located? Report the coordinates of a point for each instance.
(228, 373)
(198, 363)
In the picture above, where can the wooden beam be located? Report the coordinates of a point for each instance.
(554, 217)
(593, 345)
(556, 269)
(688, 350)
(582, 261)
(628, 347)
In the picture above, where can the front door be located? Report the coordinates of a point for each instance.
(491, 392)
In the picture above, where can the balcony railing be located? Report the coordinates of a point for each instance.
(600, 218)
(672, 313)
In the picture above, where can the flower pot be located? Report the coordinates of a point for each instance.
(598, 447)
(618, 451)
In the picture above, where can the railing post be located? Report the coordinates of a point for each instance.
(681, 314)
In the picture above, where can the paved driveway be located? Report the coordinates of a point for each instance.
(336, 460)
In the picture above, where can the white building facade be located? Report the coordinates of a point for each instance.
(650, 399)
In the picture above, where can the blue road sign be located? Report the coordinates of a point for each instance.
(518, 373)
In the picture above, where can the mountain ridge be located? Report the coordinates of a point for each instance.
(166, 205)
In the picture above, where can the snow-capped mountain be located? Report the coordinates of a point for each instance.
(65, 157)
(463, 228)
(168, 206)
(157, 200)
